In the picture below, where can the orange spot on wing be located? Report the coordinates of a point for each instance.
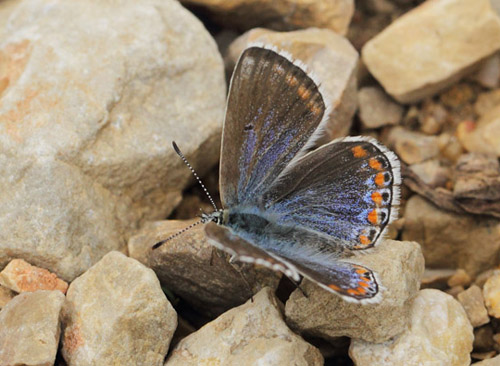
(291, 80)
(379, 179)
(373, 217)
(314, 108)
(361, 271)
(375, 164)
(361, 290)
(377, 198)
(334, 287)
(359, 152)
(352, 291)
(364, 284)
(363, 239)
(304, 93)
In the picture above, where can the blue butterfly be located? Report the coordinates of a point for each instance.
(298, 211)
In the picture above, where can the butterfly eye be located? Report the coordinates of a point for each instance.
(248, 127)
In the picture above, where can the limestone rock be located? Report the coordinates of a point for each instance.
(452, 240)
(399, 266)
(491, 292)
(413, 147)
(473, 302)
(196, 271)
(495, 361)
(439, 333)
(432, 172)
(432, 46)
(487, 101)
(488, 75)
(30, 328)
(459, 278)
(117, 314)
(251, 334)
(376, 109)
(328, 55)
(484, 136)
(92, 94)
(279, 14)
(20, 276)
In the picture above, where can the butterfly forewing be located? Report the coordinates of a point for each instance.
(273, 109)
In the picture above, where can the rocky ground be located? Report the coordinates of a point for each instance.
(93, 92)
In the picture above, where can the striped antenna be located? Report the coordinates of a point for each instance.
(178, 151)
(160, 243)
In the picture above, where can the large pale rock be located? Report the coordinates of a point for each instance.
(399, 267)
(432, 46)
(438, 333)
(117, 314)
(452, 240)
(484, 136)
(30, 329)
(195, 270)
(280, 14)
(251, 334)
(20, 276)
(328, 55)
(92, 94)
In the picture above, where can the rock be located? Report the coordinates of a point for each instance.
(488, 74)
(495, 361)
(5, 296)
(87, 119)
(459, 278)
(117, 314)
(432, 117)
(197, 272)
(477, 176)
(491, 293)
(20, 276)
(455, 290)
(452, 240)
(449, 147)
(328, 55)
(376, 109)
(473, 302)
(432, 46)
(436, 278)
(279, 15)
(439, 333)
(412, 147)
(483, 277)
(251, 334)
(487, 101)
(30, 328)
(399, 267)
(432, 172)
(484, 136)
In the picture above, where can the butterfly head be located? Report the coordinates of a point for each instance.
(216, 216)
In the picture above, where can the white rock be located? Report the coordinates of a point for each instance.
(251, 334)
(439, 333)
(117, 314)
(93, 92)
(30, 329)
(432, 46)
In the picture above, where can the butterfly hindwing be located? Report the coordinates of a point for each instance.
(352, 281)
(273, 109)
(347, 190)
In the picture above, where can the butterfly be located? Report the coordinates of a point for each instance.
(296, 210)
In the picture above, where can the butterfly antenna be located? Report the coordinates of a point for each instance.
(160, 243)
(178, 151)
